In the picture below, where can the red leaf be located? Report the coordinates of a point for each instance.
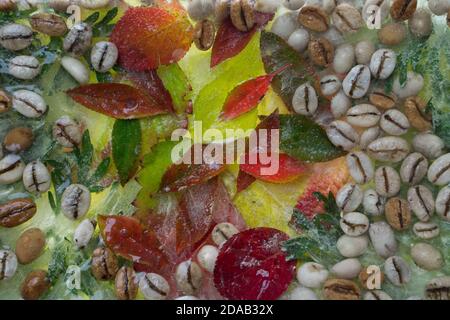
(252, 266)
(116, 100)
(247, 95)
(244, 180)
(230, 41)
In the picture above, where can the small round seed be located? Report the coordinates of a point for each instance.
(426, 230)
(382, 63)
(398, 213)
(207, 257)
(34, 285)
(299, 40)
(364, 51)
(415, 112)
(11, 169)
(76, 69)
(104, 264)
(67, 132)
(427, 257)
(313, 18)
(373, 203)
(414, 168)
(368, 136)
(443, 203)
(397, 270)
(16, 212)
(188, 277)
(414, 84)
(78, 39)
(29, 245)
(376, 295)
(392, 34)
(8, 264)
(36, 177)
(354, 224)
(329, 85)
(312, 275)
(383, 239)
(339, 105)
(15, 36)
(75, 201)
(341, 134)
(49, 24)
(126, 287)
(393, 149)
(363, 115)
(154, 287)
(344, 58)
(24, 67)
(104, 55)
(242, 15)
(349, 197)
(439, 171)
(305, 100)
(382, 100)
(357, 82)
(430, 145)
(222, 232)
(438, 288)
(347, 269)
(403, 9)
(84, 232)
(421, 202)
(18, 139)
(29, 103)
(321, 51)
(387, 181)
(360, 167)
(420, 23)
(347, 18)
(394, 122)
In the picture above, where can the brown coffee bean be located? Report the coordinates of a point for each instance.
(5, 102)
(341, 289)
(18, 139)
(242, 15)
(7, 5)
(16, 212)
(382, 100)
(35, 285)
(364, 276)
(415, 111)
(48, 23)
(321, 51)
(398, 213)
(104, 264)
(29, 246)
(392, 34)
(403, 9)
(126, 286)
(313, 18)
(438, 288)
(204, 33)
(347, 18)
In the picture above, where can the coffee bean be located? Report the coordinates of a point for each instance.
(76, 69)
(421, 202)
(414, 84)
(392, 34)
(305, 100)
(438, 288)
(49, 24)
(8, 264)
(393, 149)
(207, 256)
(84, 232)
(78, 40)
(387, 181)
(7, 5)
(75, 201)
(18, 139)
(5, 102)
(382, 63)
(339, 105)
(300, 293)
(420, 23)
(344, 58)
(383, 239)
(367, 278)
(352, 247)
(104, 264)
(242, 15)
(15, 36)
(349, 197)
(313, 18)
(36, 177)
(29, 245)
(321, 51)
(299, 40)
(93, 4)
(347, 18)
(439, 7)
(329, 85)
(398, 213)
(394, 122)
(189, 277)
(312, 275)
(222, 232)
(375, 11)
(202, 9)
(284, 25)
(154, 287)
(430, 145)
(24, 67)
(11, 169)
(126, 286)
(414, 168)
(415, 112)
(368, 136)
(426, 230)
(104, 55)
(360, 167)
(426, 256)
(364, 51)
(341, 289)
(347, 269)
(16, 212)
(204, 34)
(59, 5)
(333, 35)
(443, 203)
(403, 9)
(293, 4)
(29, 103)
(397, 270)
(341, 134)
(266, 6)
(376, 295)
(363, 115)
(382, 100)
(439, 171)
(373, 203)
(354, 224)
(357, 82)
(34, 285)
(67, 132)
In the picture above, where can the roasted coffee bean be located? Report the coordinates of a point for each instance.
(126, 286)
(8, 264)
(29, 103)
(347, 18)
(439, 171)
(414, 84)
(329, 85)
(387, 181)
(36, 177)
(104, 264)
(376, 295)
(312, 275)
(84, 232)
(439, 7)
(368, 136)
(373, 203)
(415, 112)
(360, 167)
(443, 203)
(15, 36)
(382, 100)
(104, 55)
(29, 245)
(364, 51)
(16, 212)
(347, 269)
(438, 288)
(383, 239)
(354, 224)
(349, 197)
(420, 23)
(293, 4)
(202, 9)
(18, 139)
(392, 149)
(299, 40)
(363, 115)
(78, 40)
(430, 145)
(414, 168)
(8, 5)
(341, 134)
(93, 4)
(242, 15)
(344, 58)
(24, 67)
(369, 277)
(75, 201)
(397, 270)
(321, 51)
(284, 25)
(67, 132)
(305, 100)
(313, 18)
(398, 213)
(392, 34)
(11, 169)
(222, 232)
(382, 63)
(426, 256)
(48, 23)
(207, 256)
(403, 9)
(421, 201)
(341, 289)
(394, 122)
(189, 277)
(426, 230)
(204, 34)
(5, 102)
(34, 285)
(76, 69)
(154, 287)
(340, 104)
(357, 82)
(352, 247)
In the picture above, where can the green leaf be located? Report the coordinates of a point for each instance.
(58, 264)
(84, 157)
(52, 202)
(100, 172)
(329, 202)
(103, 28)
(92, 18)
(104, 77)
(120, 199)
(126, 147)
(176, 82)
(303, 139)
